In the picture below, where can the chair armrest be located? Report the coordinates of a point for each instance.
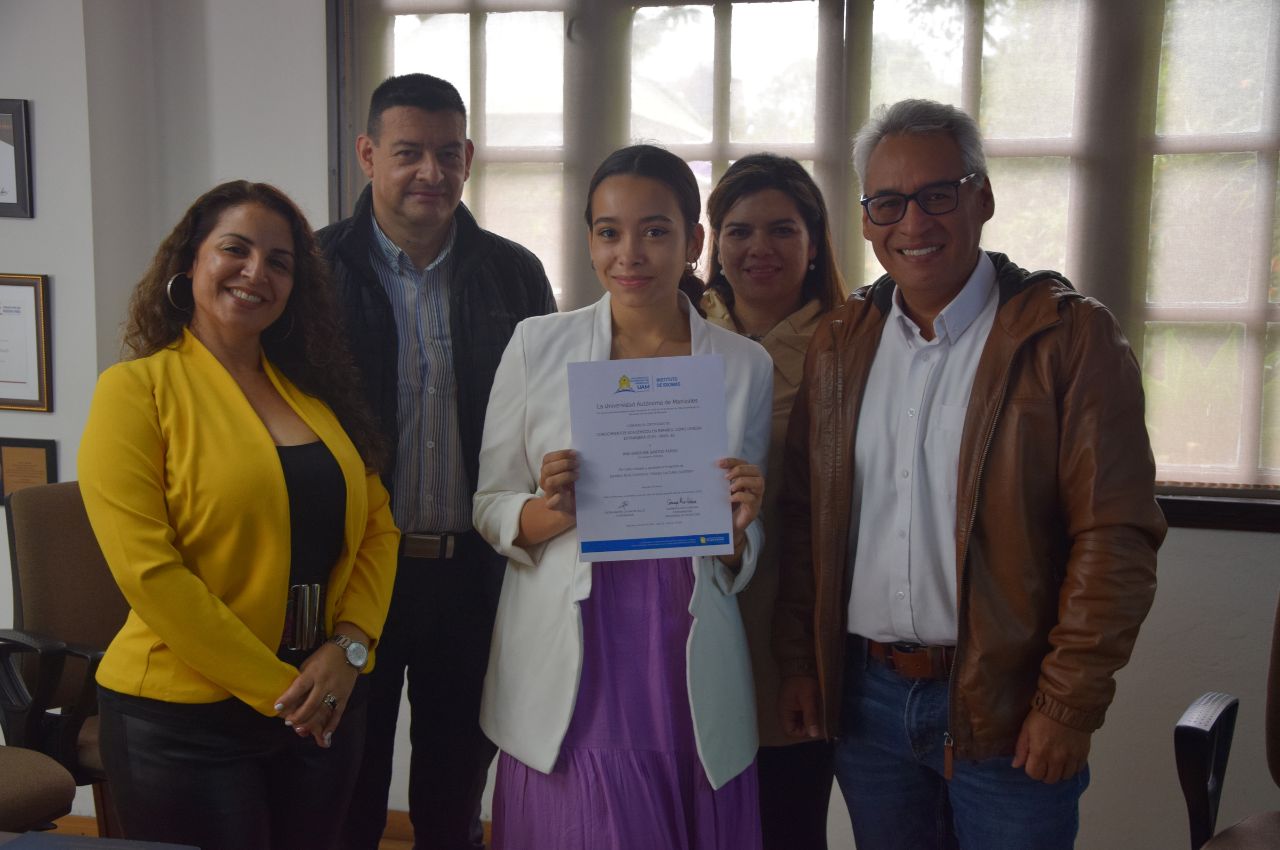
(24, 699)
(1201, 745)
(17, 640)
(86, 704)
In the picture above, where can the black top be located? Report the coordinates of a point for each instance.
(317, 512)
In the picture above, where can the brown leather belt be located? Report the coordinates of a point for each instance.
(427, 547)
(913, 660)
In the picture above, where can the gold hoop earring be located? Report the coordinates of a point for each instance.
(168, 291)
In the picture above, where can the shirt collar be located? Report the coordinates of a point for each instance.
(397, 258)
(957, 316)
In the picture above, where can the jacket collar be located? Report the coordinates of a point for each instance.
(357, 241)
(1020, 315)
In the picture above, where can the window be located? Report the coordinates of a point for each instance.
(1212, 318)
(1132, 146)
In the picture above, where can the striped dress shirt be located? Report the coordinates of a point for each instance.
(430, 491)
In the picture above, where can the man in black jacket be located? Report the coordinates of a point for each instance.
(430, 301)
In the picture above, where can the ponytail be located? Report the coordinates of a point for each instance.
(692, 286)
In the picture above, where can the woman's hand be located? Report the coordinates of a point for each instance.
(325, 673)
(559, 472)
(746, 494)
(556, 512)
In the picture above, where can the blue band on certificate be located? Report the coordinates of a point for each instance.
(655, 543)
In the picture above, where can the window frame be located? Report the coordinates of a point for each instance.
(1110, 151)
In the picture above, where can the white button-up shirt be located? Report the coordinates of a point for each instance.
(906, 458)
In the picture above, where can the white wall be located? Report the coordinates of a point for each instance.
(42, 60)
(139, 105)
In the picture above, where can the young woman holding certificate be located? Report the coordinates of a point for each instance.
(620, 692)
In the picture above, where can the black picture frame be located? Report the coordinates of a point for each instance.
(26, 463)
(26, 376)
(16, 199)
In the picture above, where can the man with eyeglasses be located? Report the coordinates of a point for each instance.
(971, 518)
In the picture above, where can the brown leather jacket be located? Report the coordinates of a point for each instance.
(1056, 521)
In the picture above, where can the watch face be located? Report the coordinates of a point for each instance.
(357, 654)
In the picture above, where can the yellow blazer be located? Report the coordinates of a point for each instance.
(186, 495)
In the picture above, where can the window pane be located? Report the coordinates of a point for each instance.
(1211, 69)
(1275, 251)
(1192, 377)
(702, 170)
(1203, 219)
(435, 44)
(523, 202)
(524, 82)
(1029, 68)
(1270, 459)
(671, 58)
(1030, 224)
(916, 50)
(774, 72)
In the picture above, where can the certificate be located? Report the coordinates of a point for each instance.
(649, 434)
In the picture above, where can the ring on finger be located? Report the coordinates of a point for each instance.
(331, 701)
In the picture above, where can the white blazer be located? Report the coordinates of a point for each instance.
(535, 663)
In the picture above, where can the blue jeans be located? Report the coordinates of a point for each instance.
(889, 766)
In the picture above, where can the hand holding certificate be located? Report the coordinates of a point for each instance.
(649, 435)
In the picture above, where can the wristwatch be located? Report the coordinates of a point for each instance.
(357, 653)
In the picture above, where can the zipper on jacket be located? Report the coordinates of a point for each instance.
(948, 741)
(962, 594)
(835, 326)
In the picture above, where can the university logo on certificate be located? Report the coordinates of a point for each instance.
(648, 434)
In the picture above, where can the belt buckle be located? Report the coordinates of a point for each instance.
(428, 546)
(917, 661)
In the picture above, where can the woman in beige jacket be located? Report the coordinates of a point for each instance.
(773, 274)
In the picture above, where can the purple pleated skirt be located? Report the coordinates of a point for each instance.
(628, 776)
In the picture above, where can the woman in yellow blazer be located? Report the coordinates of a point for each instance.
(227, 473)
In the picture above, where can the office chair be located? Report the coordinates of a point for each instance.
(1201, 744)
(34, 790)
(67, 608)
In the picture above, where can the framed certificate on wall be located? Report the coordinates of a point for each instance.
(24, 342)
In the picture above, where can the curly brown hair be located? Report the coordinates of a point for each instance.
(307, 343)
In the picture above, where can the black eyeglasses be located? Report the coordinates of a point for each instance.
(935, 199)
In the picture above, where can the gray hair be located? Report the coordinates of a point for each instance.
(920, 118)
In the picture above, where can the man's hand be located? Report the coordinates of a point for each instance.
(798, 707)
(1049, 750)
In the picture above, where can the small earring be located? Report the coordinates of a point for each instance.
(168, 290)
(812, 267)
